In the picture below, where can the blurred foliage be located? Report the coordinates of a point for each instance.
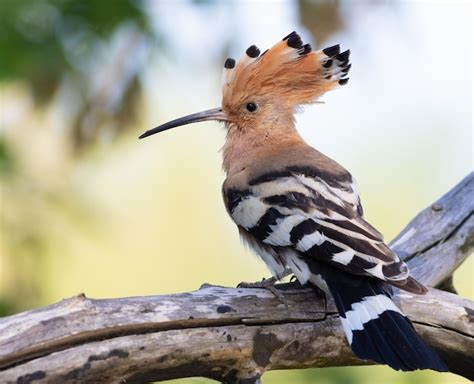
(40, 39)
(6, 308)
(47, 44)
(322, 18)
(7, 162)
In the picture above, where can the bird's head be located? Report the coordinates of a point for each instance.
(261, 90)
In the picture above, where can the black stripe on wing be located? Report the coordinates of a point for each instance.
(350, 226)
(325, 252)
(358, 245)
(290, 200)
(354, 263)
(331, 178)
(304, 228)
(298, 200)
(233, 197)
(309, 226)
(330, 182)
(262, 230)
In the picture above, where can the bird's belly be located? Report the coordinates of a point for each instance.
(272, 259)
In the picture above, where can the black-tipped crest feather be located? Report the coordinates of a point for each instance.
(332, 51)
(327, 64)
(343, 56)
(295, 41)
(229, 63)
(289, 35)
(305, 50)
(252, 51)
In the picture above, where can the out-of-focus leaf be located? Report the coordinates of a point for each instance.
(34, 36)
(7, 162)
(6, 307)
(322, 18)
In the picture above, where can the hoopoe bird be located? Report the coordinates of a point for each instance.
(300, 210)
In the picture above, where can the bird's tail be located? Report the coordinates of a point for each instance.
(374, 326)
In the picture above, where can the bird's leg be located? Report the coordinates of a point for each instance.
(268, 284)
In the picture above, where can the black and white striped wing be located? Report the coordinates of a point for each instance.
(306, 216)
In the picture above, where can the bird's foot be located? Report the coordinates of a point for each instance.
(268, 284)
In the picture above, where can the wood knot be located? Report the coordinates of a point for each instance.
(78, 300)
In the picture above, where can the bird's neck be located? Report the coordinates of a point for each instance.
(245, 146)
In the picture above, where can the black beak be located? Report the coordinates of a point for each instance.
(211, 114)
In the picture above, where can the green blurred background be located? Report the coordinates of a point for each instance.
(86, 207)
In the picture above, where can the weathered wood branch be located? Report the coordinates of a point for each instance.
(234, 335)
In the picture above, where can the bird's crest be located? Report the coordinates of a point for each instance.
(289, 70)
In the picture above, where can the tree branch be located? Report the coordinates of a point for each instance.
(234, 335)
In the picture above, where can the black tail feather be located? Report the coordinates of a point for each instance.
(375, 327)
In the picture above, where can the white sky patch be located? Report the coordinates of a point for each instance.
(254, 26)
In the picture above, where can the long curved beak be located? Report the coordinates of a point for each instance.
(211, 114)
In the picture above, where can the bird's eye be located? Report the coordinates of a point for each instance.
(251, 107)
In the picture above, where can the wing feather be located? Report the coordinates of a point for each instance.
(298, 209)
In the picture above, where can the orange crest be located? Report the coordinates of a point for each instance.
(290, 71)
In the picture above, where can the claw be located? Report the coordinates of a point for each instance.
(268, 284)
